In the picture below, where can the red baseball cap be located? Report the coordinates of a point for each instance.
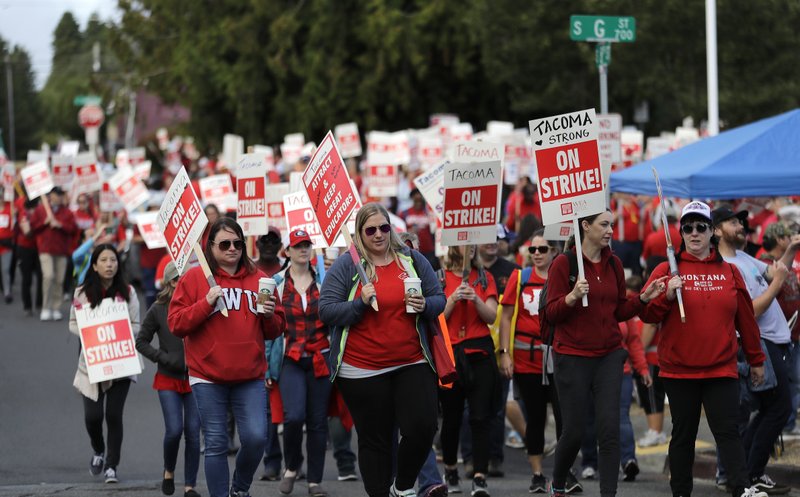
(298, 236)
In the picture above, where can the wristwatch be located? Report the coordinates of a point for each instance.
(503, 351)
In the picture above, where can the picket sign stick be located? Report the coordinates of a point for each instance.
(467, 264)
(579, 252)
(320, 254)
(357, 261)
(46, 204)
(250, 246)
(673, 263)
(201, 258)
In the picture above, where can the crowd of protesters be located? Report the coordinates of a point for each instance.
(317, 359)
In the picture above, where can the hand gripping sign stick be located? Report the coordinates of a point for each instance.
(201, 258)
(673, 264)
(576, 227)
(362, 275)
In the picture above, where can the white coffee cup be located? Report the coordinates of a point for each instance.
(331, 253)
(266, 286)
(414, 287)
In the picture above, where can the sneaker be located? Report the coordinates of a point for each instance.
(435, 490)
(96, 465)
(588, 473)
(393, 492)
(347, 477)
(479, 487)
(793, 433)
(572, 484)
(316, 490)
(239, 493)
(452, 480)
(753, 492)
(652, 438)
(631, 469)
(538, 484)
(514, 440)
(766, 484)
(45, 315)
(496, 469)
(111, 475)
(560, 492)
(57, 316)
(287, 483)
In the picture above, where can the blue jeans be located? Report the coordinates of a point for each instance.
(305, 401)
(429, 474)
(794, 383)
(272, 451)
(627, 445)
(248, 401)
(181, 418)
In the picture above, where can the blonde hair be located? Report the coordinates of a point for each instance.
(395, 245)
(455, 261)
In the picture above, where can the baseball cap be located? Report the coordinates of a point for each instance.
(298, 236)
(696, 207)
(502, 232)
(722, 214)
(777, 230)
(170, 272)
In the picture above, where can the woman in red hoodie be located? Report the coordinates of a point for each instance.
(698, 357)
(589, 356)
(225, 356)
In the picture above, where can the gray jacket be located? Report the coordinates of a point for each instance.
(169, 355)
(339, 308)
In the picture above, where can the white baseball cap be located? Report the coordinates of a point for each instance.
(696, 207)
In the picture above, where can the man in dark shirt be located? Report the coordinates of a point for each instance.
(500, 268)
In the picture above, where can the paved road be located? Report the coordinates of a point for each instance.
(44, 448)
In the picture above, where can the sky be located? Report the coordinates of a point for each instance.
(30, 24)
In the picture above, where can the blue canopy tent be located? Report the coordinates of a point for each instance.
(761, 159)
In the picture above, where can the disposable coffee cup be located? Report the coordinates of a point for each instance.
(331, 253)
(266, 287)
(413, 287)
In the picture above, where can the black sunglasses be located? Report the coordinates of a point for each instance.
(385, 228)
(226, 244)
(542, 249)
(699, 227)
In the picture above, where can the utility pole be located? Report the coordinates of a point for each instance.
(711, 67)
(12, 153)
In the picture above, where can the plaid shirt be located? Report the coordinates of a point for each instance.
(304, 328)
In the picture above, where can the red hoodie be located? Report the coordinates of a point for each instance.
(54, 241)
(716, 304)
(591, 331)
(220, 349)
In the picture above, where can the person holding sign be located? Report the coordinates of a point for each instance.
(178, 404)
(717, 306)
(225, 356)
(588, 348)
(522, 349)
(471, 308)
(102, 400)
(383, 364)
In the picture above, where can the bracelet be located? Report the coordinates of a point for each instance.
(503, 351)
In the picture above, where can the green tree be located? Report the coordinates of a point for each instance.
(27, 113)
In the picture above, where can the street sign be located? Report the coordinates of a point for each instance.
(82, 100)
(602, 54)
(602, 28)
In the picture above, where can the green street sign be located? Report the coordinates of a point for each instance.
(602, 54)
(602, 28)
(82, 100)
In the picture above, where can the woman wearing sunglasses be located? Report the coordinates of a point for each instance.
(381, 361)
(521, 351)
(698, 358)
(471, 308)
(588, 352)
(225, 356)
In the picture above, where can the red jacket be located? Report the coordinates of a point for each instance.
(632, 342)
(54, 241)
(591, 331)
(220, 349)
(716, 304)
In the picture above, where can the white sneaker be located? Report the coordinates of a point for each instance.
(588, 473)
(46, 315)
(111, 475)
(652, 438)
(753, 492)
(57, 316)
(514, 440)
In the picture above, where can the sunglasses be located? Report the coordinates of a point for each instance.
(226, 244)
(543, 249)
(699, 227)
(385, 228)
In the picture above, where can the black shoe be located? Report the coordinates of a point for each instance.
(631, 469)
(96, 464)
(240, 493)
(496, 469)
(270, 474)
(191, 493)
(572, 485)
(538, 484)
(765, 484)
(168, 486)
(479, 487)
(452, 480)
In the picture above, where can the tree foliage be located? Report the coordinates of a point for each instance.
(263, 68)
(27, 114)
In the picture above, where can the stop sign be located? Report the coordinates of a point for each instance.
(90, 116)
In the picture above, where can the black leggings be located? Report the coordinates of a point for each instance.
(93, 414)
(480, 397)
(29, 266)
(535, 397)
(404, 398)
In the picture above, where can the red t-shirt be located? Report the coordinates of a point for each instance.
(527, 329)
(464, 322)
(389, 337)
(656, 242)
(421, 220)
